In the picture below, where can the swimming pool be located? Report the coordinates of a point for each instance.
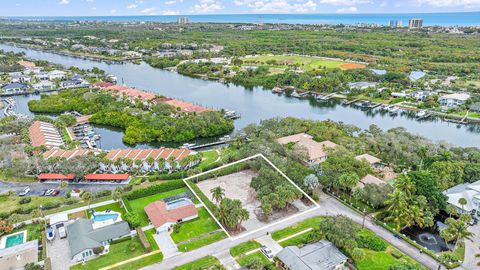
(103, 217)
(15, 239)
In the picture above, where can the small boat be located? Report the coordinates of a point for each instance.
(421, 114)
(277, 90)
(50, 233)
(394, 110)
(225, 138)
(188, 145)
(295, 94)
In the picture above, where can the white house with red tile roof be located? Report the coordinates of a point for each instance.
(163, 215)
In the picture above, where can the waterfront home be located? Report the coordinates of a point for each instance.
(316, 151)
(83, 238)
(43, 86)
(14, 88)
(362, 85)
(18, 255)
(74, 84)
(422, 95)
(27, 64)
(416, 75)
(399, 94)
(453, 100)
(372, 160)
(57, 75)
(163, 215)
(470, 192)
(322, 255)
(43, 133)
(20, 79)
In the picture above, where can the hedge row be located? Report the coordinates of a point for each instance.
(154, 189)
(202, 196)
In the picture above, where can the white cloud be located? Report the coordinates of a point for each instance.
(169, 12)
(347, 10)
(64, 2)
(207, 6)
(149, 11)
(132, 6)
(113, 11)
(345, 2)
(89, 0)
(172, 2)
(449, 3)
(278, 6)
(139, 2)
(93, 8)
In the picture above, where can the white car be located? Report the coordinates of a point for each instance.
(267, 252)
(24, 192)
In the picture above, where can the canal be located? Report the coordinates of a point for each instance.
(253, 104)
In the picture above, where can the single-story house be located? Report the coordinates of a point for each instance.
(379, 71)
(322, 255)
(107, 177)
(55, 177)
(370, 179)
(16, 257)
(14, 88)
(57, 74)
(373, 161)
(43, 133)
(83, 238)
(468, 191)
(362, 85)
(416, 75)
(73, 83)
(453, 100)
(316, 150)
(164, 215)
(422, 95)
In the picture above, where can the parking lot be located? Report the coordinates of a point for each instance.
(37, 188)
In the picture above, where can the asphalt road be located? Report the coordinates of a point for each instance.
(37, 188)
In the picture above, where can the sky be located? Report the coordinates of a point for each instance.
(177, 7)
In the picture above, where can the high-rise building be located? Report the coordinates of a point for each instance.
(185, 20)
(415, 23)
(395, 23)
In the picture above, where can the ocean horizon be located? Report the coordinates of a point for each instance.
(430, 19)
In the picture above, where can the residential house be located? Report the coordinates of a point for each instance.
(13, 88)
(44, 86)
(43, 133)
(374, 162)
(416, 75)
(322, 255)
(17, 256)
(57, 75)
(470, 192)
(83, 238)
(73, 84)
(316, 151)
(379, 72)
(370, 179)
(362, 85)
(453, 100)
(164, 215)
(422, 95)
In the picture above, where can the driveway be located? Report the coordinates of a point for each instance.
(270, 243)
(227, 260)
(37, 188)
(59, 252)
(166, 244)
(472, 248)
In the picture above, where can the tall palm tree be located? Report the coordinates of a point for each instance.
(87, 197)
(116, 195)
(462, 202)
(397, 208)
(456, 230)
(218, 193)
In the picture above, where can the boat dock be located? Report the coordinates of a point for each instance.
(351, 101)
(224, 140)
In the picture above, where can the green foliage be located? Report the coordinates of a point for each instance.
(231, 214)
(154, 189)
(339, 230)
(133, 219)
(370, 241)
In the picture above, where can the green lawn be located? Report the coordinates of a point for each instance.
(197, 227)
(244, 248)
(305, 63)
(243, 261)
(202, 242)
(209, 157)
(380, 260)
(138, 204)
(200, 264)
(113, 206)
(149, 234)
(301, 226)
(296, 241)
(145, 261)
(118, 252)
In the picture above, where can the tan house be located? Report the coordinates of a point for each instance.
(370, 179)
(375, 162)
(317, 151)
(16, 257)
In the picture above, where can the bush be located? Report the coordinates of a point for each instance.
(98, 250)
(131, 247)
(133, 219)
(25, 200)
(154, 189)
(372, 242)
(103, 193)
(51, 205)
(397, 254)
(25, 209)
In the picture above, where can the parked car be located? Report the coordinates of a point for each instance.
(49, 192)
(24, 192)
(473, 221)
(267, 252)
(55, 192)
(44, 192)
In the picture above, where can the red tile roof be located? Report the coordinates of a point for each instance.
(107, 177)
(131, 92)
(55, 176)
(42, 133)
(158, 213)
(103, 84)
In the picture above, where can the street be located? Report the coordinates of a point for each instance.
(37, 188)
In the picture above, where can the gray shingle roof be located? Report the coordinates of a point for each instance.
(322, 255)
(82, 236)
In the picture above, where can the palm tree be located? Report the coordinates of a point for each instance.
(87, 197)
(456, 230)
(397, 208)
(116, 195)
(63, 184)
(462, 202)
(451, 210)
(218, 193)
(161, 164)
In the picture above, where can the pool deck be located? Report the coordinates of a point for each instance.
(100, 224)
(3, 240)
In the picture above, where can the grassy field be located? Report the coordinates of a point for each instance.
(243, 261)
(303, 62)
(114, 207)
(145, 261)
(138, 204)
(197, 227)
(118, 252)
(380, 260)
(209, 157)
(203, 263)
(149, 234)
(244, 248)
(202, 242)
(301, 226)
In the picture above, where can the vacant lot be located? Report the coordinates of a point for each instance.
(195, 228)
(304, 62)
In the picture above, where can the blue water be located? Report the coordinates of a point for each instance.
(103, 217)
(444, 19)
(14, 240)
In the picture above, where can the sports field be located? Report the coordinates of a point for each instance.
(304, 62)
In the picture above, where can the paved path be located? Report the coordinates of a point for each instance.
(329, 207)
(472, 248)
(267, 241)
(166, 244)
(227, 260)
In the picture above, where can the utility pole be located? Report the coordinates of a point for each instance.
(364, 216)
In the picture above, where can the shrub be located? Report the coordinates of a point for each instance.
(154, 189)
(404, 266)
(51, 205)
(372, 242)
(133, 219)
(131, 247)
(25, 200)
(98, 250)
(397, 254)
(123, 239)
(25, 209)
(358, 254)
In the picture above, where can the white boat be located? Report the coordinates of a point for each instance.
(188, 145)
(50, 233)
(421, 114)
